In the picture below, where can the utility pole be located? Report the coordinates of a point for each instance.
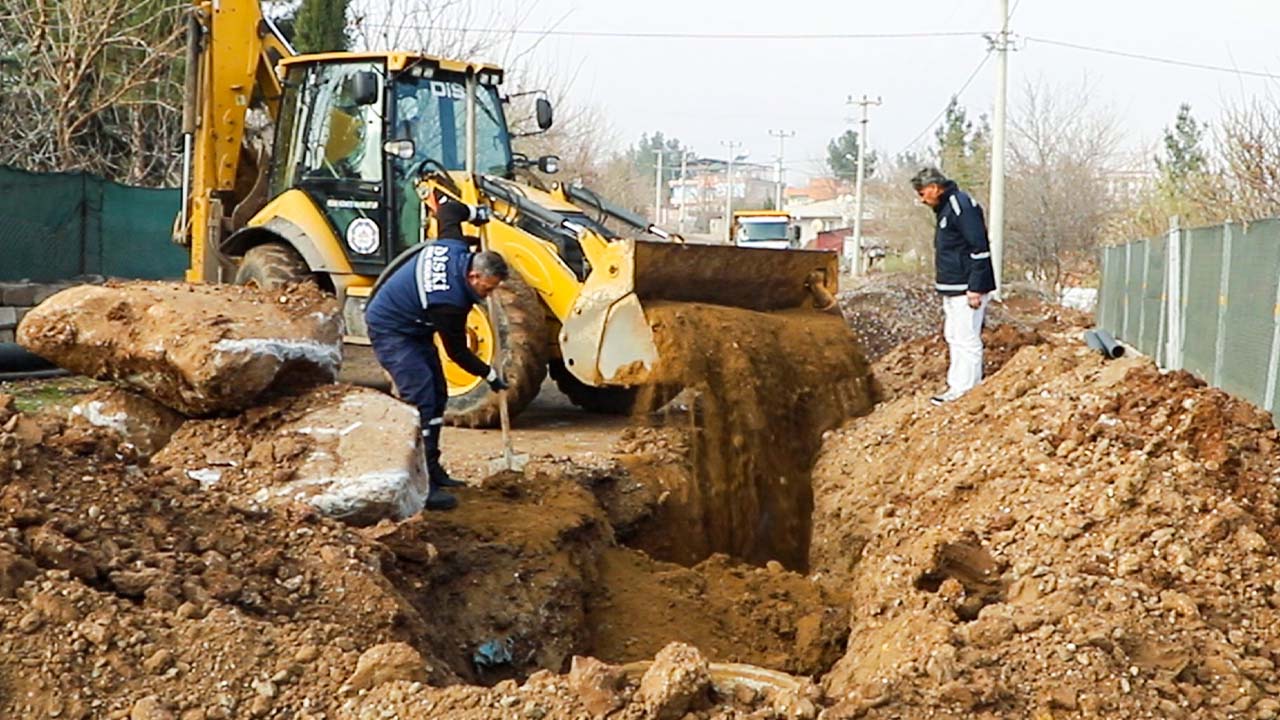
(866, 103)
(728, 190)
(1000, 44)
(657, 187)
(782, 136)
(684, 189)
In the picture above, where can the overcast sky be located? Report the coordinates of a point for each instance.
(707, 90)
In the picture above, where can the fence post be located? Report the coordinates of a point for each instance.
(1224, 292)
(1173, 296)
(1273, 368)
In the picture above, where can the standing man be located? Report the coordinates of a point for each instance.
(964, 276)
(432, 293)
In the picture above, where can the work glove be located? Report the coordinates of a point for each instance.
(479, 214)
(496, 383)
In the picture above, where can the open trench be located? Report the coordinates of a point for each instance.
(699, 533)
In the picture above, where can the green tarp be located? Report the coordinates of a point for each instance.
(56, 226)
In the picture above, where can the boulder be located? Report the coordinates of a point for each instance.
(199, 349)
(353, 454)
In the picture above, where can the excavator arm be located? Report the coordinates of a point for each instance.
(232, 51)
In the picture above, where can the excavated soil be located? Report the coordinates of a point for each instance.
(1074, 538)
(137, 586)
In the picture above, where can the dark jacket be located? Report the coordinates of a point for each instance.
(430, 294)
(961, 255)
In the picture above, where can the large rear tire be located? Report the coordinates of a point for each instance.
(521, 329)
(603, 400)
(272, 265)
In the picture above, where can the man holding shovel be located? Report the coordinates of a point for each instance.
(429, 294)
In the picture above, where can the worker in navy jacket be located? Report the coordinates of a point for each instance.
(964, 276)
(432, 294)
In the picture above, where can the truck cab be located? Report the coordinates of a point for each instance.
(768, 229)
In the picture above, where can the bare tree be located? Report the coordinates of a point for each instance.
(1247, 185)
(1061, 149)
(1239, 180)
(92, 86)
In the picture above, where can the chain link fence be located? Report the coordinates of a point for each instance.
(1206, 300)
(55, 226)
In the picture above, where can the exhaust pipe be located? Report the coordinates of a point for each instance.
(1103, 342)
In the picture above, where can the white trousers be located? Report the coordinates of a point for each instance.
(962, 328)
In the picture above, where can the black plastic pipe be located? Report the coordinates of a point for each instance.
(16, 359)
(1103, 342)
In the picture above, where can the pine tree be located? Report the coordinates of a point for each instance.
(842, 156)
(1183, 155)
(321, 26)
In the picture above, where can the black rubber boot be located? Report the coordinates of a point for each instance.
(435, 471)
(438, 499)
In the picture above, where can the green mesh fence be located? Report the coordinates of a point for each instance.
(1203, 262)
(58, 225)
(1249, 321)
(1135, 259)
(1230, 305)
(1151, 333)
(1111, 295)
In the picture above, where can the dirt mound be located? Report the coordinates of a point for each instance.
(1010, 326)
(1074, 536)
(199, 349)
(756, 392)
(140, 585)
(885, 311)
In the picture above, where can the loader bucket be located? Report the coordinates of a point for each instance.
(606, 339)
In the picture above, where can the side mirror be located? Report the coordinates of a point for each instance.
(543, 110)
(364, 88)
(549, 164)
(403, 149)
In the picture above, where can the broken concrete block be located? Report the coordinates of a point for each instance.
(678, 681)
(139, 425)
(199, 349)
(353, 454)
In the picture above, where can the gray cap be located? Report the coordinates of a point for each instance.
(928, 176)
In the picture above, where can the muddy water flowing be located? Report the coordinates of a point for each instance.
(761, 389)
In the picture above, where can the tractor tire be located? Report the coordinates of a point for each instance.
(521, 329)
(272, 265)
(602, 400)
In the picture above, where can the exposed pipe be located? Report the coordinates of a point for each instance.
(16, 359)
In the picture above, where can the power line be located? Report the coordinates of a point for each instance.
(1152, 58)
(685, 35)
(953, 95)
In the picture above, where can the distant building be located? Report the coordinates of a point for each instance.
(1129, 184)
(703, 191)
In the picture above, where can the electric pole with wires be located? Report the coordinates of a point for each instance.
(782, 136)
(866, 103)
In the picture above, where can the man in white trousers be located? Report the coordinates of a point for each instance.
(964, 276)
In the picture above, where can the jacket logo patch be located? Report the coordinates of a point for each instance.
(438, 269)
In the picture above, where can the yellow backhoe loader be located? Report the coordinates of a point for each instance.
(333, 191)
